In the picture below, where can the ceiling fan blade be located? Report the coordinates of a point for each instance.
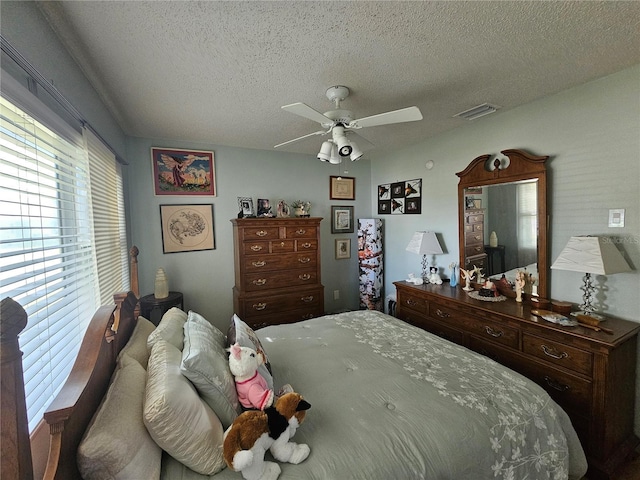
(320, 132)
(409, 114)
(306, 111)
(362, 142)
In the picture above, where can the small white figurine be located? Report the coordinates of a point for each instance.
(468, 276)
(478, 272)
(415, 280)
(434, 277)
(520, 283)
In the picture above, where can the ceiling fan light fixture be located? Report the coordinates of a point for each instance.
(325, 151)
(478, 111)
(335, 158)
(340, 139)
(356, 153)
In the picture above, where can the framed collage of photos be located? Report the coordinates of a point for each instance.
(400, 198)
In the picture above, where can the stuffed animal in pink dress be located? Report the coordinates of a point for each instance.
(253, 390)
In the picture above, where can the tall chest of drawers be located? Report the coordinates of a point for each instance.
(590, 374)
(474, 239)
(277, 270)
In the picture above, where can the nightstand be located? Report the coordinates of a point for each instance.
(153, 308)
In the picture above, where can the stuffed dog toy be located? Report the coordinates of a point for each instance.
(254, 432)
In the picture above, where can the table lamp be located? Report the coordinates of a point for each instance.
(424, 243)
(597, 255)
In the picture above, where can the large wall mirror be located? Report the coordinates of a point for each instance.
(502, 202)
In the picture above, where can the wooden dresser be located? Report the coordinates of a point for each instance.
(277, 270)
(474, 240)
(590, 374)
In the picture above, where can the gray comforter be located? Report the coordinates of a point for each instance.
(390, 401)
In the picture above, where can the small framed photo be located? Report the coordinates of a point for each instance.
(264, 208)
(183, 172)
(187, 228)
(341, 219)
(343, 248)
(245, 207)
(342, 188)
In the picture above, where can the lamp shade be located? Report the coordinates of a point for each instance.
(424, 243)
(595, 255)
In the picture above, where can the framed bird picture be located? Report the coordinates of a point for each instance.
(400, 198)
(183, 172)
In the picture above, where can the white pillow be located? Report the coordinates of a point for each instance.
(170, 329)
(179, 421)
(116, 444)
(136, 347)
(205, 363)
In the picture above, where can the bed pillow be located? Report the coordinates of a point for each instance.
(170, 329)
(205, 363)
(179, 421)
(116, 444)
(242, 333)
(136, 347)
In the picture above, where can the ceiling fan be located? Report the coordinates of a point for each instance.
(342, 125)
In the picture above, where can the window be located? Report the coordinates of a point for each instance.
(62, 244)
(527, 222)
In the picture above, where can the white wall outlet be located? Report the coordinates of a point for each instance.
(616, 217)
(336, 294)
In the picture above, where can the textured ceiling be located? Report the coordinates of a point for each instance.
(218, 72)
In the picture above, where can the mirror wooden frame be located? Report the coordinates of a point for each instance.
(520, 166)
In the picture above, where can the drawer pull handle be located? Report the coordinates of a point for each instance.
(304, 260)
(256, 248)
(282, 244)
(261, 233)
(260, 281)
(304, 276)
(307, 316)
(479, 249)
(411, 302)
(307, 299)
(442, 314)
(553, 353)
(561, 387)
(301, 231)
(492, 332)
(259, 306)
(260, 263)
(306, 245)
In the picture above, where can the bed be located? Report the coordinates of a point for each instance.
(388, 401)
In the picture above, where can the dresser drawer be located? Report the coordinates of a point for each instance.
(558, 354)
(570, 391)
(251, 248)
(474, 250)
(475, 218)
(301, 231)
(282, 246)
(268, 304)
(265, 263)
(412, 302)
(260, 233)
(474, 238)
(304, 245)
(264, 281)
(443, 330)
(292, 316)
(494, 331)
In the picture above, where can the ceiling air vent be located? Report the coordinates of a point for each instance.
(477, 112)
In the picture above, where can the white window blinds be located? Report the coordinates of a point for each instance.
(53, 245)
(109, 228)
(527, 222)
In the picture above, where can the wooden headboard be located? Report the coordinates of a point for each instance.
(70, 412)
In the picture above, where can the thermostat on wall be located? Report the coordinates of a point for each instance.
(616, 217)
